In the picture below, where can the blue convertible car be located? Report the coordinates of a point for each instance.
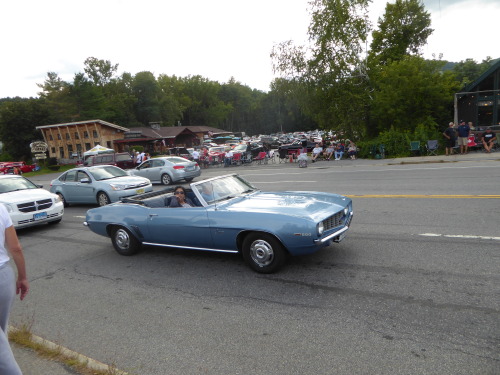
(230, 215)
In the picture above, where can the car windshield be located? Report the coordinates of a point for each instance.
(106, 173)
(222, 188)
(240, 148)
(15, 183)
(216, 149)
(178, 160)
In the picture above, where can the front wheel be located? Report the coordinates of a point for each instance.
(65, 204)
(124, 242)
(103, 199)
(263, 252)
(166, 179)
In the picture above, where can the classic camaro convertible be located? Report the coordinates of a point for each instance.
(231, 216)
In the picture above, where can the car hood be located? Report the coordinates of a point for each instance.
(25, 195)
(306, 204)
(128, 180)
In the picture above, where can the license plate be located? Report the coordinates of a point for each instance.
(39, 216)
(190, 168)
(139, 191)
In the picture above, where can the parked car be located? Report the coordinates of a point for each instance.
(121, 160)
(180, 151)
(27, 203)
(167, 170)
(297, 145)
(102, 184)
(230, 216)
(8, 167)
(252, 148)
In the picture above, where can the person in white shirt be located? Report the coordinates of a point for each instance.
(9, 287)
(316, 152)
(228, 157)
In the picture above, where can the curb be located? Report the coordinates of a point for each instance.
(84, 360)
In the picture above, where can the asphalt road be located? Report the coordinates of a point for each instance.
(413, 289)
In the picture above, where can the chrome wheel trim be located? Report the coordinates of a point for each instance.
(102, 199)
(122, 239)
(166, 180)
(262, 253)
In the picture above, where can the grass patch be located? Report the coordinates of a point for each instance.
(46, 170)
(22, 336)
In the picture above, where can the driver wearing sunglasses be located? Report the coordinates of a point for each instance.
(180, 199)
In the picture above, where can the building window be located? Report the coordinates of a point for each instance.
(87, 146)
(85, 134)
(77, 136)
(61, 152)
(52, 150)
(51, 138)
(70, 149)
(109, 144)
(67, 136)
(58, 136)
(96, 144)
(79, 147)
(94, 133)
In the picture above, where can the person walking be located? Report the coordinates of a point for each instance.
(9, 287)
(450, 135)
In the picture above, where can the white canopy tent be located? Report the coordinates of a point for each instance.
(98, 149)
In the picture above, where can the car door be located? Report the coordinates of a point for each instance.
(75, 191)
(143, 169)
(179, 227)
(156, 169)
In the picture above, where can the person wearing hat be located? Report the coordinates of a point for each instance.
(488, 138)
(450, 135)
(463, 137)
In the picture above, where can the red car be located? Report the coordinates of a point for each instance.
(8, 167)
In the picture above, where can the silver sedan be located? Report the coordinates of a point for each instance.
(100, 184)
(167, 170)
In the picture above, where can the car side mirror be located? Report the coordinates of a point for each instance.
(85, 180)
(40, 186)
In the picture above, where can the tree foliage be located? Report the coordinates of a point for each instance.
(402, 31)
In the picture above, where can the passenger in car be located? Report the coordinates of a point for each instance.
(180, 199)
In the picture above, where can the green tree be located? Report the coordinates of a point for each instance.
(18, 121)
(468, 70)
(402, 31)
(410, 92)
(146, 90)
(100, 72)
(330, 73)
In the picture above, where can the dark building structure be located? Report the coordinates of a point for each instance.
(480, 101)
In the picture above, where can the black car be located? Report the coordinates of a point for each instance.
(180, 151)
(297, 145)
(253, 148)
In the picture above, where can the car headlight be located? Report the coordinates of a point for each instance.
(57, 199)
(321, 228)
(346, 211)
(118, 187)
(8, 207)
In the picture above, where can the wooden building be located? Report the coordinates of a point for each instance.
(479, 102)
(70, 140)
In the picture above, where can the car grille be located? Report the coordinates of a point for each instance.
(138, 186)
(21, 222)
(334, 221)
(35, 206)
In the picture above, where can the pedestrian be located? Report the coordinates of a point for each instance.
(463, 137)
(9, 287)
(450, 135)
(138, 159)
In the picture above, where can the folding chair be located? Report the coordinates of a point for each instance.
(415, 147)
(236, 159)
(261, 158)
(432, 147)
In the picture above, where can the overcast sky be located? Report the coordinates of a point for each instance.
(217, 39)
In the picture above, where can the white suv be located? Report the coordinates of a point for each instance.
(28, 204)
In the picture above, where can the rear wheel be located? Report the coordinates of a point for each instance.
(263, 252)
(166, 179)
(124, 242)
(103, 199)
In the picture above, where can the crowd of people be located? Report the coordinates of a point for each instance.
(462, 135)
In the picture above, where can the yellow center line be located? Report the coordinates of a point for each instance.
(424, 196)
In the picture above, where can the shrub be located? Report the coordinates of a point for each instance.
(54, 167)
